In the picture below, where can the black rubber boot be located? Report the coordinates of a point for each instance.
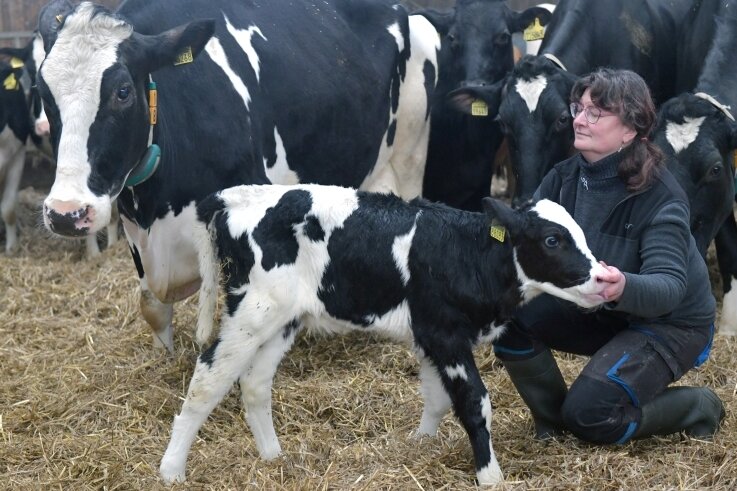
(697, 411)
(541, 385)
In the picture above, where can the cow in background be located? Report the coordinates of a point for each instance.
(284, 91)
(15, 128)
(32, 56)
(698, 134)
(475, 50)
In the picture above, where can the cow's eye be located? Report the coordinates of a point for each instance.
(123, 93)
(563, 122)
(716, 170)
(551, 241)
(502, 39)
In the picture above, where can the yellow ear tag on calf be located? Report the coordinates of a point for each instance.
(534, 32)
(479, 108)
(16, 62)
(497, 232)
(184, 57)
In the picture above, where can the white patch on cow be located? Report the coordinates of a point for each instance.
(491, 473)
(216, 52)
(395, 31)
(73, 70)
(280, 173)
(458, 371)
(680, 136)
(42, 121)
(437, 403)
(584, 295)
(531, 90)
(492, 335)
(243, 38)
(400, 250)
(728, 318)
(395, 324)
(400, 168)
(167, 253)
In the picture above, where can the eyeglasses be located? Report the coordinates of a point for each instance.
(591, 113)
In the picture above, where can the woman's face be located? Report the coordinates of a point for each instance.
(597, 140)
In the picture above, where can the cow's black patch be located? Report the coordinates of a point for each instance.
(208, 356)
(362, 279)
(391, 133)
(137, 261)
(237, 260)
(275, 232)
(313, 230)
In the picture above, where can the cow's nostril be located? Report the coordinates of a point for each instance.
(68, 218)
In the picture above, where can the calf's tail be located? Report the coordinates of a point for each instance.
(205, 237)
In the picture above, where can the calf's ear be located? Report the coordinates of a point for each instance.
(176, 46)
(441, 20)
(500, 214)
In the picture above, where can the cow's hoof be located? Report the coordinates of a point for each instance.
(171, 472)
(490, 475)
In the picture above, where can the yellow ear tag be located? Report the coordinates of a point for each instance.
(59, 18)
(497, 232)
(184, 57)
(10, 82)
(534, 32)
(16, 62)
(479, 108)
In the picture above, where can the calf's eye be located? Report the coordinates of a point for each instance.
(551, 241)
(124, 93)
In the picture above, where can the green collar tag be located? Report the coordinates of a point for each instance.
(146, 167)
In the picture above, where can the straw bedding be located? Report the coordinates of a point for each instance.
(86, 402)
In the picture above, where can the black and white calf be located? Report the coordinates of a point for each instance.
(337, 259)
(15, 128)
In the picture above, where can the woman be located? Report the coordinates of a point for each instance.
(658, 321)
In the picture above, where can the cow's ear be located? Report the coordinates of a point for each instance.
(442, 20)
(466, 99)
(50, 20)
(518, 21)
(176, 46)
(500, 215)
(733, 137)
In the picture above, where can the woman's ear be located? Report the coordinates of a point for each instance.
(628, 135)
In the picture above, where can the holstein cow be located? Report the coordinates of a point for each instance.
(698, 133)
(476, 49)
(337, 260)
(285, 91)
(32, 56)
(532, 101)
(15, 128)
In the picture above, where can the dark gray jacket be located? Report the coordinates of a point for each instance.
(646, 235)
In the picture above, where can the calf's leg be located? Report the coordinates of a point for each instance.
(726, 246)
(256, 384)
(436, 399)
(159, 316)
(9, 202)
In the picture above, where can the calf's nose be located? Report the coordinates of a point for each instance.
(42, 128)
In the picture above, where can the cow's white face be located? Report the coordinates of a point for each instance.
(94, 87)
(72, 74)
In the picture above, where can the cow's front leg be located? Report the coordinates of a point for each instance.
(726, 246)
(159, 316)
(9, 202)
(471, 404)
(435, 398)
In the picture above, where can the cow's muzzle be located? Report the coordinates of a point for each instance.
(68, 218)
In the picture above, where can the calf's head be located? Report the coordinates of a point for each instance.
(93, 82)
(550, 252)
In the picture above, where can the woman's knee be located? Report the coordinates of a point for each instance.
(598, 412)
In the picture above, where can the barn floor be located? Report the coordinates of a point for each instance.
(86, 402)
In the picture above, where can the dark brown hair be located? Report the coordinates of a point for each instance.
(626, 94)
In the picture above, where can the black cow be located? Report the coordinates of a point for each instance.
(698, 133)
(15, 128)
(284, 91)
(337, 260)
(532, 101)
(475, 50)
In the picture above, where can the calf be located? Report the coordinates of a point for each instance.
(337, 259)
(15, 127)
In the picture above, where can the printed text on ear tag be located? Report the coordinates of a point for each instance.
(534, 32)
(479, 108)
(497, 232)
(184, 57)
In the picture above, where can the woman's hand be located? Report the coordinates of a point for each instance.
(615, 282)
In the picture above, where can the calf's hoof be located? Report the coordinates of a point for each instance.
(490, 475)
(171, 472)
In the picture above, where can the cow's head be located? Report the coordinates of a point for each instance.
(94, 87)
(550, 252)
(532, 107)
(698, 139)
(478, 36)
